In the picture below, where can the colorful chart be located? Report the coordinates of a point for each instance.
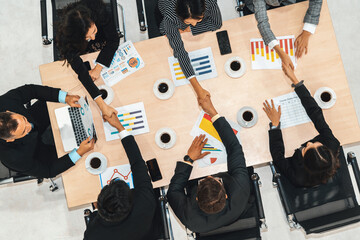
(264, 58)
(202, 62)
(123, 172)
(125, 62)
(214, 144)
(132, 117)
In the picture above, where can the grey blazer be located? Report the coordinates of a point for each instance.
(259, 8)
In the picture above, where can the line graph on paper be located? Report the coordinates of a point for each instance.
(123, 172)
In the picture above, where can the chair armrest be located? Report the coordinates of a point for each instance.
(114, 11)
(44, 30)
(256, 183)
(140, 11)
(277, 182)
(23, 178)
(351, 159)
(87, 213)
(165, 218)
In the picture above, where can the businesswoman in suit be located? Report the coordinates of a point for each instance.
(195, 16)
(316, 161)
(85, 27)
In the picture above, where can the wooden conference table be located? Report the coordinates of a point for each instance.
(322, 66)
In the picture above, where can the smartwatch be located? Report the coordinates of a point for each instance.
(188, 159)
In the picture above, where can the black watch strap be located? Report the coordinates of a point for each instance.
(188, 159)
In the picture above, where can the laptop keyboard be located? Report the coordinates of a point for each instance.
(80, 134)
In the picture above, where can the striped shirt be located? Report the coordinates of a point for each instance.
(171, 24)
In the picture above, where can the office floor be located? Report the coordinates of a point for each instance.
(29, 211)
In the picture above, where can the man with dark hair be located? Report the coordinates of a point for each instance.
(214, 201)
(26, 142)
(124, 213)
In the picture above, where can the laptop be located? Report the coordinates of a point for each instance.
(75, 124)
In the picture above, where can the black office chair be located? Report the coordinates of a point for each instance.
(161, 220)
(57, 5)
(8, 176)
(250, 222)
(323, 207)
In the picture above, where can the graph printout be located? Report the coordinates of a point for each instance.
(214, 144)
(202, 61)
(123, 172)
(264, 58)
(292, 111)
(126, 61)
(132, 117)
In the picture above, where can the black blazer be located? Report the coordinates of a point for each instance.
(29, 155)
(139, 224)
(293, 167)
(236, 183)
(106, 39)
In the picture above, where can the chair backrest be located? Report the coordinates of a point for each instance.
(338, 194)
(58, 5)
(246, 227)
(4, 172)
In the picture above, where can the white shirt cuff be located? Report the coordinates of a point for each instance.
(123, 134)
(273, 43)
(214, 118)
(191, 77)
(187, 163)
(309, 27)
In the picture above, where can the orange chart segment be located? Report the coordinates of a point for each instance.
(262, 57)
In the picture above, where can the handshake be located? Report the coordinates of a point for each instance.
(207, 106)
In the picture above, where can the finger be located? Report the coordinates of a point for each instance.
(87, 140)
(306, 50)
(204, 154)
(272, 104)
(296, 42)
(291, 65)
(267, 104)
(195, 140)
(279, 109)
(75, 105)
(265, 108)
(202, 137)
(204, 143)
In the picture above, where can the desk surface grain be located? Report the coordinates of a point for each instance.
(321, 67)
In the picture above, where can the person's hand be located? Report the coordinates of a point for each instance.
(108, 110)
(202, 94)
(286, 61)
(185, 30)
(86, 146)
(72, 100)
(301, 43)
(197, 145)
(207, 106)
(289, 72)
(271, 112)
(95, 72)
(114, 121)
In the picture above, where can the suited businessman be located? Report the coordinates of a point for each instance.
(26, 141)
(125, 213)
(311, 20)
(217, 200)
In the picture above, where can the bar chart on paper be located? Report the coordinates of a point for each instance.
(132, 117)
(202, 61)
(123, 172)
(262, 57)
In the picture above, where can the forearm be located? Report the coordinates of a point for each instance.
(196, 85)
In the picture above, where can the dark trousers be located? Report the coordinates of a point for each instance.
(247, 11)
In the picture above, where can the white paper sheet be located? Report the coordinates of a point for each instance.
(203, 63)
(121, 171)
(264, 58)
(133, 118)
(292, 111)
(126, 61)
(214, 145)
